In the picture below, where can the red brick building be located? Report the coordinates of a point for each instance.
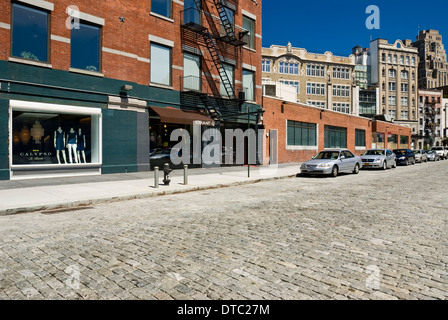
(305, 130)
(103, 65)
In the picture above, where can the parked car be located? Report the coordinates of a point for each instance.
(432, 155)
(420, 155)
(331, 162)
(404, 156)
(440, 151)
(379, 158)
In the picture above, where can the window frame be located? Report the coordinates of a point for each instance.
(162, 15)
(170, 62)
(251, 45)
(48, 12)
(311, 134)
(100, 45)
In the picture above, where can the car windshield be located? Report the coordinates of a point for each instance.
(374, 153)
(327, 155)
(400, 151)
(416, 151)
(430, 151)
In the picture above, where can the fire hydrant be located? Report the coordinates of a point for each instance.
(166, 174)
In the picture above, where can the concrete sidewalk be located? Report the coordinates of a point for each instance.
(61, 193)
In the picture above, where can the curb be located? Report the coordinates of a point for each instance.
(84, 204)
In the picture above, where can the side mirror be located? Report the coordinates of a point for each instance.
(342, 157)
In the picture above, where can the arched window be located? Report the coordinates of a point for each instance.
(392, 73)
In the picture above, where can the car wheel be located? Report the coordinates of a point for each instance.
(334, 171)
(384, 165)
(407, 162)
(413, 161)
(395, 164)
(356, 170)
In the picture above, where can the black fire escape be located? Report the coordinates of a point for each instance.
(220, 100)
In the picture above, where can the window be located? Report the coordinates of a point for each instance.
(85, 47)
(404, 114)
(315, 89)
(404, 87)
(288, 68)
(301, 134)
(413, 61)
(404, 141)
(404, 75)
(160, 64)
(392, 86)
(360, 138)
(191, 13)
(405, 101)
(392, 100)
(291, 83)
(335, 137)
(341, 73)
(249, 25)
(389, 58)
(162, 7)
(228, 69)
(192, 72)
(402, 59)
(407, 60)
(395, 58)
(393, 113)
(230, 15)
(266, 65)
(319, 104)
(30, 33)
(341, 107)
(249, 84)
(383, 57)
(392, 73)
(315, 70)
(341, 91)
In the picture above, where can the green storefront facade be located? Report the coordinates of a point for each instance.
(41, 109)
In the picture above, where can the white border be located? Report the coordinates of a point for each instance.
(18, 105)
(86, 17)
(162, 41)
(39, 3)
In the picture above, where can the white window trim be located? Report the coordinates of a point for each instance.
(5, 26)
(60, 39)
(249, 67)
(40, 4)
(31, 62)
(161, 41)
(85, 17)
(249, 15)
(161, 17)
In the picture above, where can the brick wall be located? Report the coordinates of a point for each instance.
(131, 37)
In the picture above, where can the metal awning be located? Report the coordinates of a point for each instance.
(177, 116)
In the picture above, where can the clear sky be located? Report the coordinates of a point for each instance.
(340, 25)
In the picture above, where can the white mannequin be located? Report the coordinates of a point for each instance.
(71, 145)
(59, 145)
(81, 146)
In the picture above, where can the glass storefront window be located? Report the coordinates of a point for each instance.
(45, 138)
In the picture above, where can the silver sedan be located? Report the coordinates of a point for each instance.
(331, 162)
(379, 158)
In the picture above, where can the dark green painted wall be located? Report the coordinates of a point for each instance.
(119, 141)
(4, 139)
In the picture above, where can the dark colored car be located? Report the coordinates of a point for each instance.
(404, 156)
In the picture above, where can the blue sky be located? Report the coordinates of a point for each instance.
(338, 26)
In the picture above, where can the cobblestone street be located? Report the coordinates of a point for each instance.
(376, 235)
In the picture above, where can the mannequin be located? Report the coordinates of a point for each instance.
(72, 145)
(59, 143)
(81, 140)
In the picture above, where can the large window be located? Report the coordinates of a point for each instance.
(360, 138)
(160, 64)
(249, 25)
(291, 83)
(249, 84)
(54, 135)
(288, 68)
(301, 134)
(335, 137)
(341, 91)
(266, 65)
(341, 107)
(162, 7)
(30, 33)
(191, 12)
(341, 73)
(315, 89)
(315, 70)
(85, 47)
(192, 72)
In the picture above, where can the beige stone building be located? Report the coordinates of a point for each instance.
(433, 66)
(322, 80)
(394, 69)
